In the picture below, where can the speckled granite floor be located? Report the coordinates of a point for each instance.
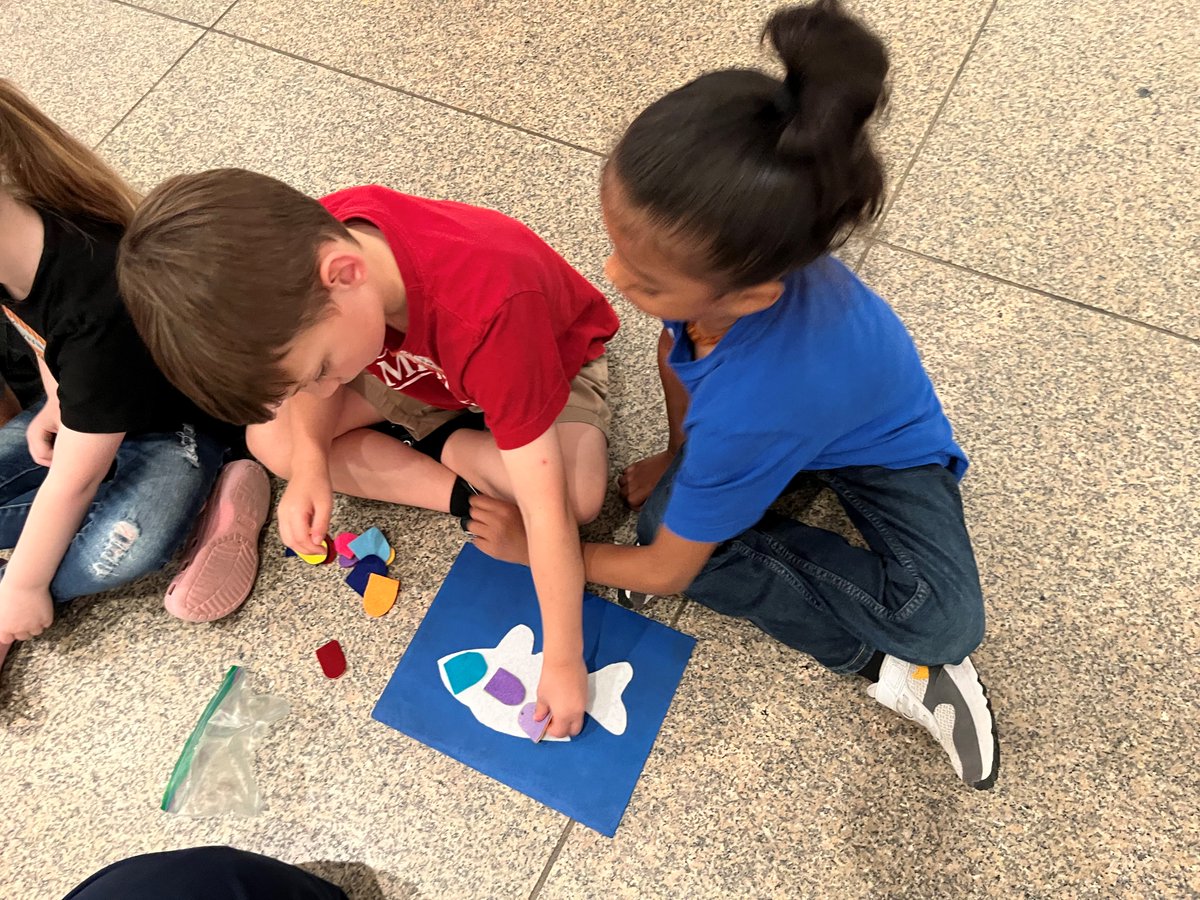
(1043, 246)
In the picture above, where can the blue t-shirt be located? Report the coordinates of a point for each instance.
(827, 377)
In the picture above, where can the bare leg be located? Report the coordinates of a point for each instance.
(362, 462)
(475, 456)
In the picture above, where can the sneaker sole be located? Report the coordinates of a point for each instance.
(981, 740)
(221, 564)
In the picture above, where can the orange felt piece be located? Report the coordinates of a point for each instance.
(380, 594)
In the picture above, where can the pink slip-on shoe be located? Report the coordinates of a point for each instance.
(221, 560)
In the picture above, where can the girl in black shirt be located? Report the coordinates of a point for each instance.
(102, 482)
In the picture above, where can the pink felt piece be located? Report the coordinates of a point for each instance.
(535, 730)
(341, 543)
(332, 659)
(506, 687)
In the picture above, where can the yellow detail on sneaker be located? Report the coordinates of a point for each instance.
(921, 673)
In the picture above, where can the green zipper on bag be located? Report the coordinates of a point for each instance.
(184, 763)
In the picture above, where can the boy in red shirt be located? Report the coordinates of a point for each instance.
(360, 332)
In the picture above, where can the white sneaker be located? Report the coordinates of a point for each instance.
(952, 704)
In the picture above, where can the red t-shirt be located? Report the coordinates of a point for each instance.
(496, 318)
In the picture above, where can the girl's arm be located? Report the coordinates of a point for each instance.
(667, 566)
(674, 393)
(638, 480)
(664, 567)
(78, 464)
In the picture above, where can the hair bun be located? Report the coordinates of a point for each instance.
(836, 77)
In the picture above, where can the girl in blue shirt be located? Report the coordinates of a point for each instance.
(723, 200)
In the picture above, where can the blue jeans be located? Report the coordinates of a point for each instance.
(914, 594)
(140, 516)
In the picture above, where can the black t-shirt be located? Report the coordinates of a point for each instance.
(75, 319)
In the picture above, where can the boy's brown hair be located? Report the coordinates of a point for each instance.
(220, 273)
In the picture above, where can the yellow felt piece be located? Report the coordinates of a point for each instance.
(316, 559)
(380, 594)
(391, 555)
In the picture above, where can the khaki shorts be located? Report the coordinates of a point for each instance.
(587, 403)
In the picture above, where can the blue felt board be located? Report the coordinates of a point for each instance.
(592, 777)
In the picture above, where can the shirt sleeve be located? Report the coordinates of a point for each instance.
(103, 374)
(515, 375)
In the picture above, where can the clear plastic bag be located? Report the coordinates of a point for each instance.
(215, 771)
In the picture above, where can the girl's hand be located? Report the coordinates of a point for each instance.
(40, 434)
(24, 612)
(498, 529)
(304, 511)
(562, 695)
(638, 480)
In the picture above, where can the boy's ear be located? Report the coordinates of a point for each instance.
(340, 266)
(755, 298)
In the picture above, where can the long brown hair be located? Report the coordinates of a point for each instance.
(42, 165)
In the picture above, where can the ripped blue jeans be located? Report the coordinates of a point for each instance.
(142, 513)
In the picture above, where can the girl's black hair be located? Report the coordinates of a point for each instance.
(764, 176)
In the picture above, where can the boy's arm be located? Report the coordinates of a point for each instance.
(307, 501)
(538, 476)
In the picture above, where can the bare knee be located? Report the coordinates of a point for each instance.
(586, 503)
(271, 445)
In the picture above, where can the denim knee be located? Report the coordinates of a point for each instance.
(963, 624)
(109, 554)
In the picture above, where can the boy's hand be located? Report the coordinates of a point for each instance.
(304, 511)
(40, 435)
(24, 612)
(498, 529)
(562, 694)
(638, 480)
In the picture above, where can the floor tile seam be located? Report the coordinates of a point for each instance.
(425, 98)
(1041, 292)
(929, 129)
(554, 854)
(206, 30)
(161, 14)
(213, 29)
(228, 10)
(150, 90)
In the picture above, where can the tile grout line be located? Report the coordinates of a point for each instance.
(683, 602)
(213, 29)
(1050, 295)
(545, 876)
(157, 12)
(414, 95)
(228, 10)
(937, 114)
(171, 68)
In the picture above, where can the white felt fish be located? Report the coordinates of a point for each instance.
(499, 686)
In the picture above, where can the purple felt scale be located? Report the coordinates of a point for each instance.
(361, 573)
(506, 687)
(535, 730)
